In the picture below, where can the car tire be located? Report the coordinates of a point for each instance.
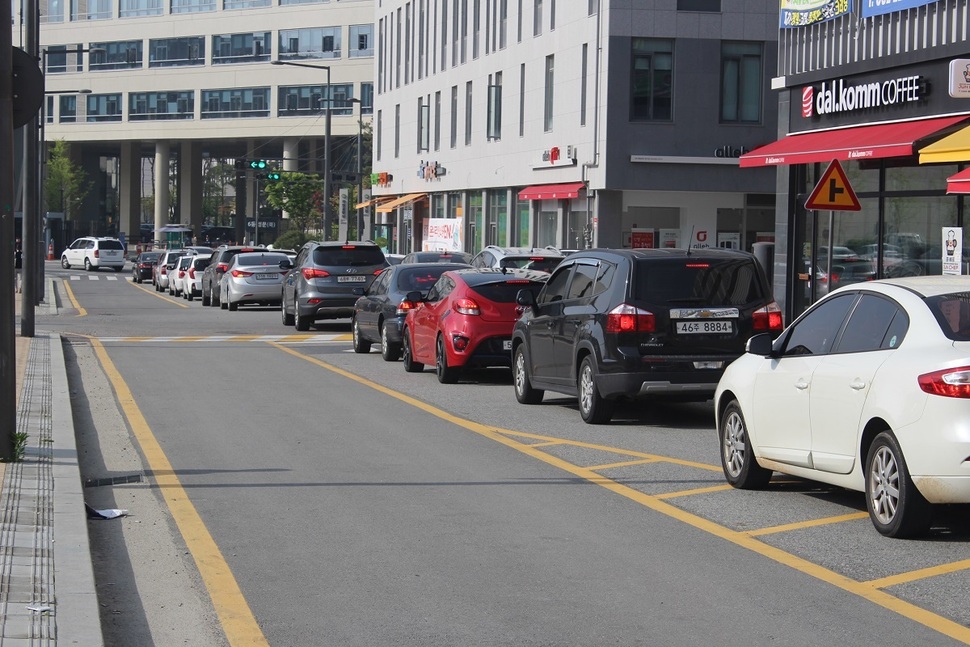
(409, 364)
(896, 507)
(446, 374)
(741, 468)
(302, 322)
(524, 392)
(223, 304)
(594, 408)
(232, 305)
(118, 269)
(135, 279)
(64, 263)
(206, 298)
(390, 351)
(361, 345)
(189, 295)
(87, 265)
(214, 296)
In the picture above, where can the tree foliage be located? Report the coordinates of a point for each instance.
(299, 195)
(66, 184)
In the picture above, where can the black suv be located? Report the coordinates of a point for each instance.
(611, 324)
(324, 280)
(218, 264)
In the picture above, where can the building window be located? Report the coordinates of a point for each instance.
(437, 120)
(424, 125)
(652, 81)
(537, 18)
(552, 15)
(699, 5)
(547, 102)
(319, 42)
(455, 31)
(495, 107)
(454, 116)
(476, 26)
(583, 84)
(522, 100)
(68, 109)
(468, 113)
(92, 10)
(118, 55)
(64, 58)
(193, 6)
(379, 134)
(51, 11)
(593, 7)
(169, 52)
(367, 98)
(103, 107)
(741, 82)
(444, 34)
(246, 4)
(397, 131)
(503, 23)
(241, 48)
(135, 8)
(235, 103)
(361, 41)
(312, 100)
(151, 106)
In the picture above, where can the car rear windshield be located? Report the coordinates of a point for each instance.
(952, 312)
(111, 244)
(539, 263)
(505, 291)
(261, 259)
(348, 255)
(420, 279)
(698, 282)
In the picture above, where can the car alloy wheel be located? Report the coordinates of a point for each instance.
(409, 364)
(594, 408)
(524, 392)
(361, 345)
(446, 374)
(740, 467)
(390, 351)
(896, 507)
(64, 263)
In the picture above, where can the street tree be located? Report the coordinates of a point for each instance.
(298, 194)
(66, 185)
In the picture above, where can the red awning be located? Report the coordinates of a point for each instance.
(959, 183)
(848, 144)
(551, 191)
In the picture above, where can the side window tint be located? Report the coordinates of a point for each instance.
(868, 324)
(815, 333)
(896, 331)
(604, 278)
(555, 288)
(583, 280)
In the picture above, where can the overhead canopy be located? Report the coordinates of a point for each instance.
(388, 207)
(959, 183)
(378, 199)
(552, 191)
(952, 148)
(848, 144)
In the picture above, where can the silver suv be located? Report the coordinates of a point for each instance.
(542, 259)
(323, 281)
(95, 253)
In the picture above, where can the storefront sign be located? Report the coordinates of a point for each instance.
(952, 250)
(428, 171)
(557, 156)
(840, 96)
(730, 151)
(878, 7)
(797, 13)
(960, 78)
(442, 235)
(381, 179)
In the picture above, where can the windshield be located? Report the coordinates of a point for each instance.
(349, 255)
(707, 282)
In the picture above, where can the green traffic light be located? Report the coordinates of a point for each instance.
(257, 164)
(273, 175)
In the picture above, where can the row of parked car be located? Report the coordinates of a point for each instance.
(866, 390)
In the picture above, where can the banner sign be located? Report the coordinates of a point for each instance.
(879, 7)
(442, 235)
(798, 13)
(952, 250)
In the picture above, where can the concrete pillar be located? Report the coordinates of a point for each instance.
(291, 154)
(190, 185)
(162, 195)
(252, 189)
(129, 191)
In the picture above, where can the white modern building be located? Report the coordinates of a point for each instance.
(574, 122)
(186, 80)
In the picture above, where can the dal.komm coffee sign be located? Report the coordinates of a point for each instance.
(841, 96)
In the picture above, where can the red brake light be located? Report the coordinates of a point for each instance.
(701, 266)
(181, 274)
(467, 306)
(222, 267)
(97, 253)
(517, 282)
(768, 318)
(239, 274)
(348, 247)
(404, 306)
(627, 318)
(950, 382)
(310, 273)
(192, 273)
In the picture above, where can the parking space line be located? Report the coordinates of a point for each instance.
(741, 539)
(921, 574)
(700, 490)
(799, 525)
(610, 466)
(548, 443)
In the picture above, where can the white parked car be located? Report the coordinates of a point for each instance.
(192, 282)
(94, 253)
(176, 279)
(868, 390)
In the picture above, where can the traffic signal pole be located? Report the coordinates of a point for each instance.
(8, 378)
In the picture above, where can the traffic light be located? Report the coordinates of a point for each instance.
(273, 176)
(257, 165)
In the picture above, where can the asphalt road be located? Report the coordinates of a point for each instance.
(286, 491)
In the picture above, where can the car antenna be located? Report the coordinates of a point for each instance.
(690, 239)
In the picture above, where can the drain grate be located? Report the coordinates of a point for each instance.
(113, 480)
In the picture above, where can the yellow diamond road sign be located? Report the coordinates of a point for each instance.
(833, 192)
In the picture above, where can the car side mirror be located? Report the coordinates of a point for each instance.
(286, 265)
(760, 344)
(414, 296)
(525, 298)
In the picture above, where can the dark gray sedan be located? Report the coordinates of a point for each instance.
(378, 314)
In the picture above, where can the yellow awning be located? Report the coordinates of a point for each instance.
(952, 148)
(375, 200)
(388, 207)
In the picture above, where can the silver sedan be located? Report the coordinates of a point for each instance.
(253, 277)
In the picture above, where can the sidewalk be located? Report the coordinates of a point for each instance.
(43, 524)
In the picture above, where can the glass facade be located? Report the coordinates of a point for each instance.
(241, 48)
(235, 103)
(149, 106)
(169, 52)
(315, 43)
(103, 107)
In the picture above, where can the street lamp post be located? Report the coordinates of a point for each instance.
(327, 208)
(360, 168)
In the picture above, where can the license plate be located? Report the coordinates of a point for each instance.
(704, 327)
(507, 344)
(266, 277)
(357, 278)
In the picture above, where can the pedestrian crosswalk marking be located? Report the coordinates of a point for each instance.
(93, 277)
(307, 338)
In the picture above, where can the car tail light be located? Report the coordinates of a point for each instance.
(950, 382)
(222, 267)
(768, 318)
(379, 270)
(518, 282)
(164, 270)
(405, 306)
(240, 274)
(192, 273)
(627, 318)
(467, 306)
(698, 266)
(97, 253)
(181, 274)
(313, 273)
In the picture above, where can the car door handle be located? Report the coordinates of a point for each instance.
(857, 384)
(801, 384)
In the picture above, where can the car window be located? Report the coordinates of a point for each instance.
(379, 286)
(952, 312)
(815, 333)
(584, 278)
(732, 282)
(111, 244)
(870, 324)
(350, 255)
(260, 259)
(441, 289)
(504, 291)
(555, 289)
(604, 278)
(418, 279)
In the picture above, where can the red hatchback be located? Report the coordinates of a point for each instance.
(466, 320)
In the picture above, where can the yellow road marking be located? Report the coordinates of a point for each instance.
(70, 295)
(234, 613)
(161, 295)
(609, 466)
(922, 574)
(699, 490)
(808, 524)
(745, 540)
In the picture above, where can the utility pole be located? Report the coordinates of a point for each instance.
(8, 378)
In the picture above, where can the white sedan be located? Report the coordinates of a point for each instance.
(868, 390)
